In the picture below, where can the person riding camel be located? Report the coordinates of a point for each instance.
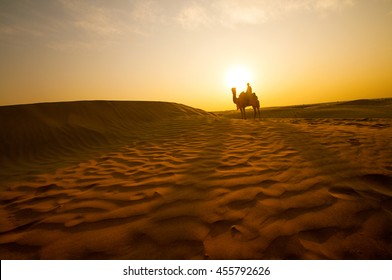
(245, 99)
(249, 90)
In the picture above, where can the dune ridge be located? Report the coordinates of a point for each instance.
(39, 131)
(362, 108)
(196, 186)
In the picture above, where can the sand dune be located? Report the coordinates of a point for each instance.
(363, 108)
(153, 180)
(40, 132)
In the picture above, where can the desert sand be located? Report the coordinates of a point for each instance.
(156, 180)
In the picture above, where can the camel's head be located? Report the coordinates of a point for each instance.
(234, 91)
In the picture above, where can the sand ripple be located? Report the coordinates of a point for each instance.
(212, 188)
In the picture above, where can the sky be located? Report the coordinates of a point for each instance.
(194, 51)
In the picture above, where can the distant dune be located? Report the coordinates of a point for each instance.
(158, 180)
(363, 108)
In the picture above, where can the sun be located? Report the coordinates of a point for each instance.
(238, 77)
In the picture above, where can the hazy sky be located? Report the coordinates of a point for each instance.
(294, 52)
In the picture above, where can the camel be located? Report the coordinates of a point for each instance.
(244, 100)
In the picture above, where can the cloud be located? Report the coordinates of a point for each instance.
(231, 13)
(193, 17)
(333, 5)
(92, 18)
(79, 23)
(20, 18)
(6, 30)
(145, 11)
(114, 18)
(94, 25)
(314, 5)
(69, 45)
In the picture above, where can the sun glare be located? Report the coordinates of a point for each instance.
(238, 77)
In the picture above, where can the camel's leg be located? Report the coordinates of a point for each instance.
(256, 111)
(244, 113)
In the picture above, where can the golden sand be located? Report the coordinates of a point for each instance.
(155, 180)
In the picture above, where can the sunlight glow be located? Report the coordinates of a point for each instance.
(238, 77)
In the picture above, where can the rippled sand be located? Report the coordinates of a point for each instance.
(186, 184)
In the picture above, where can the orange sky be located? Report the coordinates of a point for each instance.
(296, 52)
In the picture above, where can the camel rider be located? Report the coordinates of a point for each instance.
(249, 90)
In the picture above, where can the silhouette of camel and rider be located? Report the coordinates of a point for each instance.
(245, 99)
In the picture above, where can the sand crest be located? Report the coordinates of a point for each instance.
(155, 180)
